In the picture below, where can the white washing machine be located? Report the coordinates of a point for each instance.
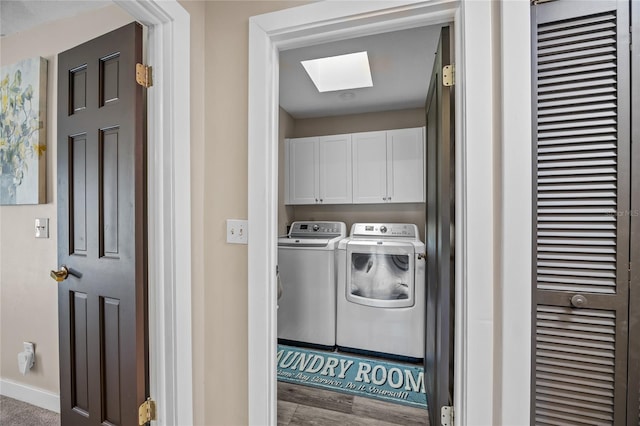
(381, 290)
(307, 268)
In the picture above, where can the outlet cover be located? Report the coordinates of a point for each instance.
(237, 231)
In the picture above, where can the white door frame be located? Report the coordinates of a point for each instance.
(493, 196)
(169, 205)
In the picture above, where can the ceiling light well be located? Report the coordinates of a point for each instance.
(342, 72)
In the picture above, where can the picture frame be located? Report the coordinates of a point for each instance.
(23, 143)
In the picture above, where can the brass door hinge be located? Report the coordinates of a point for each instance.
(446, 416)
(143, 75)
(448, 75)
(146, 412)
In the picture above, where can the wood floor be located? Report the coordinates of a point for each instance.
(304, 405)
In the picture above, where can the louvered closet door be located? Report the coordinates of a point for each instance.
(581, 245)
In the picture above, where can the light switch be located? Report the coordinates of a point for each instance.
(42, 227)
(237, 231)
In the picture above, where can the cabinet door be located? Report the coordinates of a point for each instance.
(335, 169)
(303, 170)
(405, 165)
(369, 167)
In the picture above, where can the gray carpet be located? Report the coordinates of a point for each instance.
(18, 413)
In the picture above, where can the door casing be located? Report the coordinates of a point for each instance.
(493, 196)
(169, 207)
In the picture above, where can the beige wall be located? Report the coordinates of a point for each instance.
(25, 262)
(353, 213)
(386, 120)
(225, 156)
(28, 297)
(350, 214)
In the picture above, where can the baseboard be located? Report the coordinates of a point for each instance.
(31, 395)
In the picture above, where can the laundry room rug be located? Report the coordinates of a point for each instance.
(372, 378)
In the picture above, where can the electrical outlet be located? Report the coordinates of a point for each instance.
(26, 358)
(237, 231)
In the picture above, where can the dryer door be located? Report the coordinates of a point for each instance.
(381, 273)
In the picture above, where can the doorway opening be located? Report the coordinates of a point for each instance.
(353, 168)
(478, 377)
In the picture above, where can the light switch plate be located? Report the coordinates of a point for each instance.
(42, 227)
(237, 231)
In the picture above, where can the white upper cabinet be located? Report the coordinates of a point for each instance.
(303, 170)
(388, 167)
(405, 166)
(319, 170)
(370, 167)
(335, 170)
(360, 168)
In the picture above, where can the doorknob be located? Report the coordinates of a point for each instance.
(61, 274)
(579, 301)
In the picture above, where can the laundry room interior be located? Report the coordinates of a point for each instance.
(352, 218)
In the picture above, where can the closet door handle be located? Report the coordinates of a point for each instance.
(579, 301)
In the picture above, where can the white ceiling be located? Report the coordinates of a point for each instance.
(20, 15)
(401, 64)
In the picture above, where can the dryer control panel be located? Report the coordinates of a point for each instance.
(403, 230)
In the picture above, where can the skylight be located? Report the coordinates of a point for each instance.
(350, 71)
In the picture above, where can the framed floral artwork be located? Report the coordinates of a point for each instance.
(23, 97)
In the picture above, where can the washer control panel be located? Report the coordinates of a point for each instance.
(317, 229)
(403, 230)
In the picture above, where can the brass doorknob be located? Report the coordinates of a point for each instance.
(61, 274)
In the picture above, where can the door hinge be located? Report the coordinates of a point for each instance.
(143, 75)
(446, 416)
(448, 75)
(146, 412)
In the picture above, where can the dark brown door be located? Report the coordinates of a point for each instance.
(582, 169)
(102, 231)
(440, 236)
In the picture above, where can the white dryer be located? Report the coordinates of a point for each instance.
(307, 268)
(381, 290)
